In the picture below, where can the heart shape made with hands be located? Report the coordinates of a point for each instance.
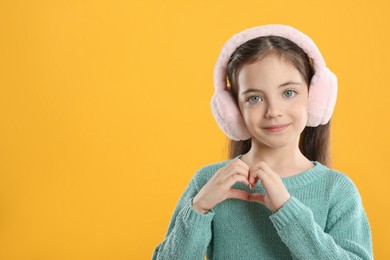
(276, 193)
(219, 187)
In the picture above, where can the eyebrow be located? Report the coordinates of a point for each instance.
(282, 85)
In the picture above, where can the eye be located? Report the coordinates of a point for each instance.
(254, 99)
(290, 93)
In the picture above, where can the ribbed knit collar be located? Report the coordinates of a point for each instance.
(304, 177)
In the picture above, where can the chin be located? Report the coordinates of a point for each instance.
(266, 142)
(276, 141)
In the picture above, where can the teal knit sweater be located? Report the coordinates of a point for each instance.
(323, 219)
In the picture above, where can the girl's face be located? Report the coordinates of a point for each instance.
(272, 92)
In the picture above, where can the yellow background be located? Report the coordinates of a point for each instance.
(105, 114)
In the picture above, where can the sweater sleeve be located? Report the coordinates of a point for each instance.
(189, 231)
(347, 234)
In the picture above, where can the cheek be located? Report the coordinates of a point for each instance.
(250, 113)
(300, 110)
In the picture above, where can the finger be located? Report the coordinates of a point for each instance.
(272, 185)
(226, 171)
(252, 175)
(252, 180)
(236, 178)
(255, 182)
(256, 175)
(234, 170)
(260, 165)
(240, 162)
(257, 197)
(238, 194)
(266, 169)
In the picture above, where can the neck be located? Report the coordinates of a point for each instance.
(286, 160)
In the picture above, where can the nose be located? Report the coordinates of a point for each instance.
(273, 110)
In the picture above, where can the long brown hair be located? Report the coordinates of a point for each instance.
(314, 142)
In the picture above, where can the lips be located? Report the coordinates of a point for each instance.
(276, 128)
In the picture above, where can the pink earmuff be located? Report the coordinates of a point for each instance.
(322, 90)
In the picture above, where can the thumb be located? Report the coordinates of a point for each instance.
(238, 194)
(257, 197)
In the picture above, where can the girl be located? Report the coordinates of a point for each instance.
(275, 198)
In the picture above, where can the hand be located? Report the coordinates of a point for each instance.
(276, 193)
(218, 188)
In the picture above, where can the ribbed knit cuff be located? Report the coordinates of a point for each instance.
(195, 217)
(290, 212)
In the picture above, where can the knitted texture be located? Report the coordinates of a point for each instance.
(323, 219)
